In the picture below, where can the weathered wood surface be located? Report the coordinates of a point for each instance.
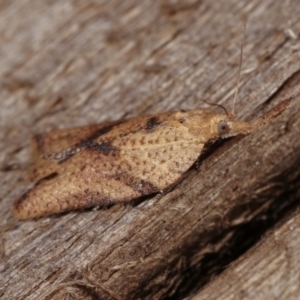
(269, 270)
(70, 63)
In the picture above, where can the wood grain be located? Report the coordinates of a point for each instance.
(269, 270)
(71, 63)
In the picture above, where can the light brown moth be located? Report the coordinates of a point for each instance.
(116, 162)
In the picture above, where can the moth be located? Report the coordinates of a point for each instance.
(115, 162)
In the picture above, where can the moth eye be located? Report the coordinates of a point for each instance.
(223, 127)
(182, 120)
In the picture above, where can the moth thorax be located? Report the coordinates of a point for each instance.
(223, 128)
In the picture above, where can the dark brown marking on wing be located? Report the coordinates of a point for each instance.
(104, 148)
(89, 142)
(152, 123)
(100, 132)
(141, 186)
(144, 187)
(89, 199)
(86, 144)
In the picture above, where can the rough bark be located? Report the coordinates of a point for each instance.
(70, 63)
(268, 271)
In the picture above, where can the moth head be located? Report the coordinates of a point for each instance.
(226, 126)
(223, 128)
(222, 123)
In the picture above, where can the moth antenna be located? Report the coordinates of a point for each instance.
(239, 72)
(219, 105)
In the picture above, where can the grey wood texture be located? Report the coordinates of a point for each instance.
(69, 63)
